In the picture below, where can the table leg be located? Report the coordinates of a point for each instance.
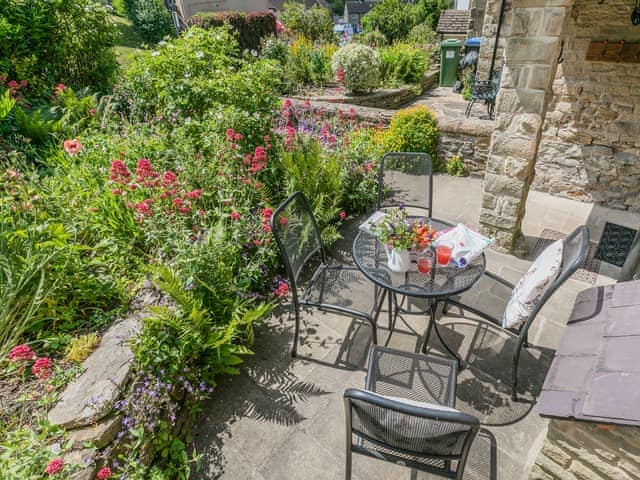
(433, 324)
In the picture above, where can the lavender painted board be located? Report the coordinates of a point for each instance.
(623, 321)
(614, 395)
(625, 294)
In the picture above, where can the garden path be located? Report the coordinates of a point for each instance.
(283, 419)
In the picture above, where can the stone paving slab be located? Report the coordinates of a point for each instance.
(284, 419)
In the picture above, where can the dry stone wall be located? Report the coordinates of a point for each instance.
(590, 143)
(588, 451)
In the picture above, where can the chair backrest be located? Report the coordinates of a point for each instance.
(297, 235)
(411, 432)
(574, 252)
(406, 178)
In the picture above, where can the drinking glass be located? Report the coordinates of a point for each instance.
(425, 261)
(443, 254)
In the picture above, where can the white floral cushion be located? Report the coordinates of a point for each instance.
(526, 294)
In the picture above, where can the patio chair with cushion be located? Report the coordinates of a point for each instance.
(523, 301)
(313, 281)
(406, 414)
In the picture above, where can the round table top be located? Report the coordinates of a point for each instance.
(370, 257)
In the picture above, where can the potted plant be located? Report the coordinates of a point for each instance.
(400, 235)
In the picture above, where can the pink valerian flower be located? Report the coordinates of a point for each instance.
(119, 173)
(290, 138)
(184, 209)
(42, 368)
(168, 178)
(72, 147)
(21, 353)
(144, 207)
(230, 134)
(340, 75)
(104, 473)
(342, 215)
(279, 26)
(282, 289)
(194, 194)
(367, 166)
(235, 215)
(145, 173)
(283, 221)
(54, 466)
(258, 161)
(266, 214)
(59, 88)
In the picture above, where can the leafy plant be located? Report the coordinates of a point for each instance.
(81, 347)
(391, 17)
(358, 66)
(6, 104)
(413, 130)
(402, 64)
(314, 23)
(373, 38)
(150, 18)
(251, 28)
(455, 166)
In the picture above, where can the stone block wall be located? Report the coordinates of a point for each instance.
(590, 143)
(489, 31)
(470, 144)
(588, 451)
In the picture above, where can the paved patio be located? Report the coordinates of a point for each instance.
(282, 419)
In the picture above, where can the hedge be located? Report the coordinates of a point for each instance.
(251, 27)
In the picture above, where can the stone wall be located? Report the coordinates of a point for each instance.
(468, 140)
(590, 144)
(489, 31)
(588, 451)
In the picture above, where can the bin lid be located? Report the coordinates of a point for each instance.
(451, 42)
(473, 42)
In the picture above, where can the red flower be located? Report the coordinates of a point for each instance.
(119, 172)
(235, 215)
(283, 221)
(340, 75)
(54, 466)
(42, 368)
(59, 89)
(177, 202)
(266, 214)
(21, 353)
(230, 134)
(259, 160)
(72, 146)
(104, 473)
(342, 215)
(184, 209)
(282, 289)
(144, 207)
(168, 178)
(195, 194)
(144, 170)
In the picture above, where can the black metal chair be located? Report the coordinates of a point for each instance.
(406, 178)
(406, 414)
(313, 282)
(486, 90)
(574, 252)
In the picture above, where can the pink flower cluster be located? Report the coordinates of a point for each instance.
(266, 219)
(21, 354)
(72, 147)
(281, 289)
(163, 190)
(14, 88)
(54, 466)
(103, 473)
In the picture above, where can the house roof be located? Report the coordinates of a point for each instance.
(359, 7)
(595, 375)
(454, 21)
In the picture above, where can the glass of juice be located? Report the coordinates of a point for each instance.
(443, 254)
(425, 261)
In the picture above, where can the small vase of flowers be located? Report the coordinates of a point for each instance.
(400, 235)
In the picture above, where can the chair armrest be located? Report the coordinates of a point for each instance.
(500, 280)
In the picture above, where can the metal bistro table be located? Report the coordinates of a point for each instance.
(435, 286)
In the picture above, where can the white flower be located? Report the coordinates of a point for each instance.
(199, 54)
(155, 53)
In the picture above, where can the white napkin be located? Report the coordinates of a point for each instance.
(466, 244)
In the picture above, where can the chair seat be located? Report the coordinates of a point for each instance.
(340, 288)
(487, 296)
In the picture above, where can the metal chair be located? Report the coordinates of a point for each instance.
(486, 90)
(406, 414)
(574, 252)
(406, 178)
(313, 282)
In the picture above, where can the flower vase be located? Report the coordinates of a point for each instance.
(398, 261)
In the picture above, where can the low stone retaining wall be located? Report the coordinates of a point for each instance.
(585, 450)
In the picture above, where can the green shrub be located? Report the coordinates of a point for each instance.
(360, 67)
(315, 23)
(467, 80)
(393, 18)
(120, 7)
(46, 43)
(423, 35)
(150, 18)
(373, 39)
(413, 130)
(455, 166)
(428, 11)
(402, 64)
(251, 28)
(199, 74)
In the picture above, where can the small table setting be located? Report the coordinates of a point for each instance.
(419, 257)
